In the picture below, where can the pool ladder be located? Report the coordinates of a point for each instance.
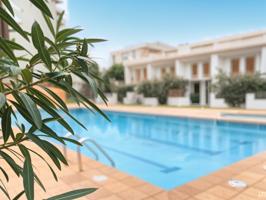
(83, 141)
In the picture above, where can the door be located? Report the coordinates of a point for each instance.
(195, 96)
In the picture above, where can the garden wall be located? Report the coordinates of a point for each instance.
(254, 103)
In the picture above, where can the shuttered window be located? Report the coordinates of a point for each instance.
(206, 69)
(194, 70)
(235, 67)
(250, 65)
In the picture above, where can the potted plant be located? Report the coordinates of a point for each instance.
(150, 91)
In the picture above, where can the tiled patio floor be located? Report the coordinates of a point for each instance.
(120, 186)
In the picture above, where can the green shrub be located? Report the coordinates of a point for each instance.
(149, 88)
(115, 72)
(160, 89)
(122, 91)
(170, 83)
(234, 89)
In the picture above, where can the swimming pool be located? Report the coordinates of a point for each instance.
(169, 151)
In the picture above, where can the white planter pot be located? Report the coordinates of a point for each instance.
(178, 101)
(112, 98)
(253, 103)
(131, 98)
(150, 101)
(217, 102)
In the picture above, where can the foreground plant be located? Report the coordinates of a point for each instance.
(23, 91)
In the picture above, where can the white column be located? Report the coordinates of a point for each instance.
(150, 72)
(178, 71)
(202, 93)
(214, 66)
(200, 70)
(257, 63)
(157, 73)
(242, 65)
(263, 60)
(127, 75)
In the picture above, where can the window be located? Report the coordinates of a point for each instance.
(194, 70)
(250, 65)
(206, 69)
(235, 67)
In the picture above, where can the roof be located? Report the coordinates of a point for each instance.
(151, 45)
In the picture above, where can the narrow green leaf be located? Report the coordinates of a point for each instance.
(4, 190)
(17, 197)
(4, 46)
(56, 97)
(45, 104)
(84, 50)
(15, 46)
(65, 33)
(2, 100)
(40, 143)
(35, 60)
(73, 194)
(31, 107)
(8, 6)
(6, 124)
(26, 75)
(51, 169)
(40, 4)
(49, 24)
(94, 40)
(38, 181)
(11, 22)
(48, 131)
(22, 111)
(11, 162)
(38, 40)
(5, 174)
(95, 107)
(59, 21)
(55, 151)
(28, 178)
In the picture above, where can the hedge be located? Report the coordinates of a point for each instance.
(234, 89)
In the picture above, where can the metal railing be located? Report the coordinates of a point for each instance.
(83, 141)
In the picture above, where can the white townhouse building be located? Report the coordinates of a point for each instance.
(26, 13)
(199, 62)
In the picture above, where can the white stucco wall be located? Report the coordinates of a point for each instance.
(150, 101)
(178, 101)
(253, 103)
(217, 102)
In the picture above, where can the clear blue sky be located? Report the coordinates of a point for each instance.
(128, 22)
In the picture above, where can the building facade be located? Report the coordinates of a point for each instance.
(25, 15)
(199, 63)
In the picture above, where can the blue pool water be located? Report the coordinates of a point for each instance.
(169, 151)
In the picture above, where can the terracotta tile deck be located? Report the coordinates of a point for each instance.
(197, 112)
(120, 186)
